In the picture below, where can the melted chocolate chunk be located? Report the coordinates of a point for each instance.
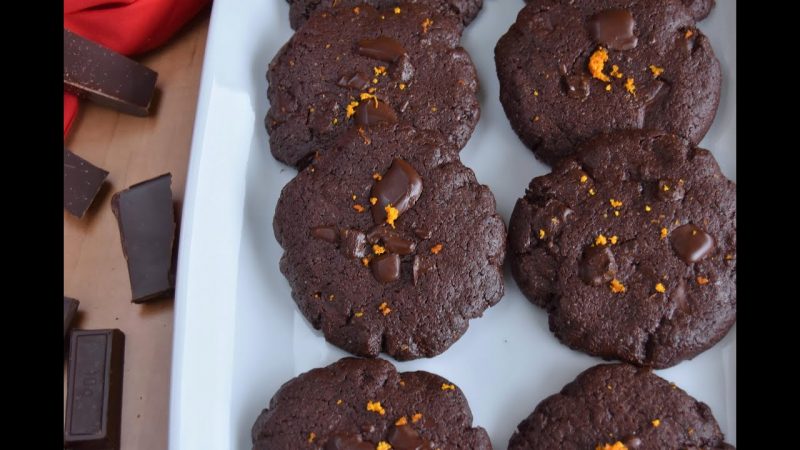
(597, 266)
(396, 244)
(691, 243)
(406, 438)
(422, 233)
(382, 48)
(358, 81)
(329, 234)
(354, 243)
(367, 113)
(614, 29)
(347, 442)
(386, 267)
(577, 86)
(400, 187)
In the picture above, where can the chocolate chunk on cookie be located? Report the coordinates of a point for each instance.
(390, 243)
(619, 407)
(365, 404)
(630, 245)
(570, 70)
(464, 10)
(360, 65)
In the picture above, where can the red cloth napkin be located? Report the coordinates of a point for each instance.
(126, 26)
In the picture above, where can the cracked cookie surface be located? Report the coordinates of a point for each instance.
(569, 70)
(390, 243)
(619, 407)
(630, 246)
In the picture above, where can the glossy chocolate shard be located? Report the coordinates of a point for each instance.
(400, 187)
(382, 48)
(106, 77)
(94, 389)
(70, 309)
(146, 222)
(371, 113)
(82, 182)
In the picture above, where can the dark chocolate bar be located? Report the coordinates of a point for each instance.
(106, 77)
(146, 222)
(82, 182)
(70, 308)
(94, 389)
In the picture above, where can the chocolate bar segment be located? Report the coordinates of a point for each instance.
(82, 182)
(106, 77)
(94, 389)
(146, 222)
(70, 309)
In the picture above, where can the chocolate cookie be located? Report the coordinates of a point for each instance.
(464, 10)
(569, 70)
(390, 244)
(699, 8)
(630, 245)
(365, 404)
(365, 66)
(619, 407)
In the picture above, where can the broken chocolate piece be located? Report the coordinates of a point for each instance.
(82, 182)
(94, 389)
(70, 308)
(382, 48)
(147, 229)
(106, 77)
(400, 187)
(369, 113)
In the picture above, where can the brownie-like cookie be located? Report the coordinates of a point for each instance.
(569, 70)
(361, 65)
(699, 8)
(464, 10)
(365, 404)
(390, 243)
(630, 245)
(619, 407)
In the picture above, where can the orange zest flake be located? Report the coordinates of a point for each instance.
(657, 71)
(339, 402)
(436, 248)
(356, 10)
(665, 188)
(376, 176)
(656, 422)
(613, 240)
(616, 213)
(608, 87)
(401, 421)
(365, 261)
(334, 121)
(384, 309)
(375, 407)
(383, 445)
(378, 250)
(584, 178)
(331, 298)
(372, 90)
(616, 286)
(615, 203)
(448, 387)
(311, 437)
(615, 71)
(701, 280)
(688, 34)
(615, 446)
(350, 109)
(379, 70)
(397, 10)
(375, 81)
(630, 86)
(535, 118)
(392, 214)
(535, 93)
(426, 24)
(647, 208)
(541, 233)
(367, 95)
(373, 200)
(591, 191)
(416, 417)
(600, 240)
(359, 209)
(596, 63)
(354, 196)
(434, 109)
(664, 233)
(359, 314)
(402, 86)
(660, 288)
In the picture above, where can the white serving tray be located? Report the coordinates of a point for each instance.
(238, 334)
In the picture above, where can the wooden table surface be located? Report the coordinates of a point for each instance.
(134, 149)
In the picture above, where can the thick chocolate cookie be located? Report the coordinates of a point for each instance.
(699, 8)
(631, 247)
(363, 66)
(365, 404)
(619, 407)
(390, 244)
(569, 70)
(464, 10)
